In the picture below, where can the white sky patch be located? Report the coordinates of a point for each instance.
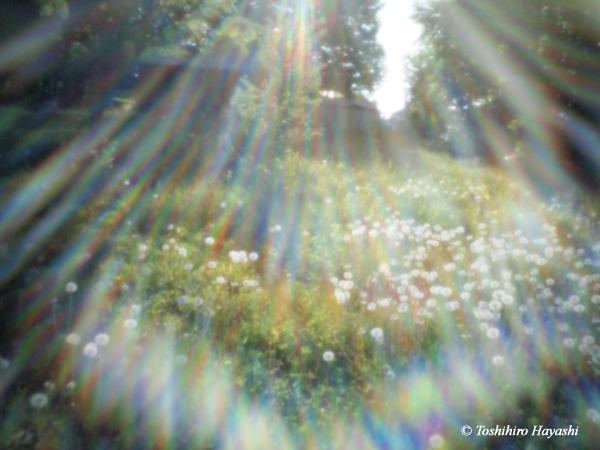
(398, 34)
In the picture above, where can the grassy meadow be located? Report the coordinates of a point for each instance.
(301, 304)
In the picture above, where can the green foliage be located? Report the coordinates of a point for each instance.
(352, 58)
(476, 59)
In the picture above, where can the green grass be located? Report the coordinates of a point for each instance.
(420, 248)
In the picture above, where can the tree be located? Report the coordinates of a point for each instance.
(351, 56)
(493, 77)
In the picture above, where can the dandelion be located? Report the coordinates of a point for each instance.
(569, 342)
(212, 264)
(130, 324)
(493, 333)
(101, 339)
(135, 310)
(593, 415)
(38, 400)
(198, 302)
(142, 248)
(587, 340)
(388, 373)
(166, 247)
(347, 275)
(436, 441)
(49, 386)
(221, 280)
(498, 360)
(209, 241)
(341, 296)
(371, 306)
(182, 252)
(188, 266)
(4, 363)
(384, 302)
(73, 339)
(452, 306)
(328, 356)
(90, 350)
(377, 333)
(495, 305)
(71, 287)
(253, 256)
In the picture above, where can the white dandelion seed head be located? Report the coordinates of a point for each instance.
(436, 441)
(209, 241)
(235, 257)
(101, 339)
(73, 339)
(346, 284)
(221, 280)
(328, 356)
(377, 333)
(495, 305)
(212, 264)
(199, 301)
(341, 296)
(38, 400)
(90, 350)
(587, 340)
(384, 302)
(71, 287)
(593, 415)
(498, 360)
(188, 266)
(253, 256)
(130, 324)
(182, 252)
(493, 333)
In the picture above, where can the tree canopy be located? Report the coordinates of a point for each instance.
(351, 55)
(494, 77)
(84, 37)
